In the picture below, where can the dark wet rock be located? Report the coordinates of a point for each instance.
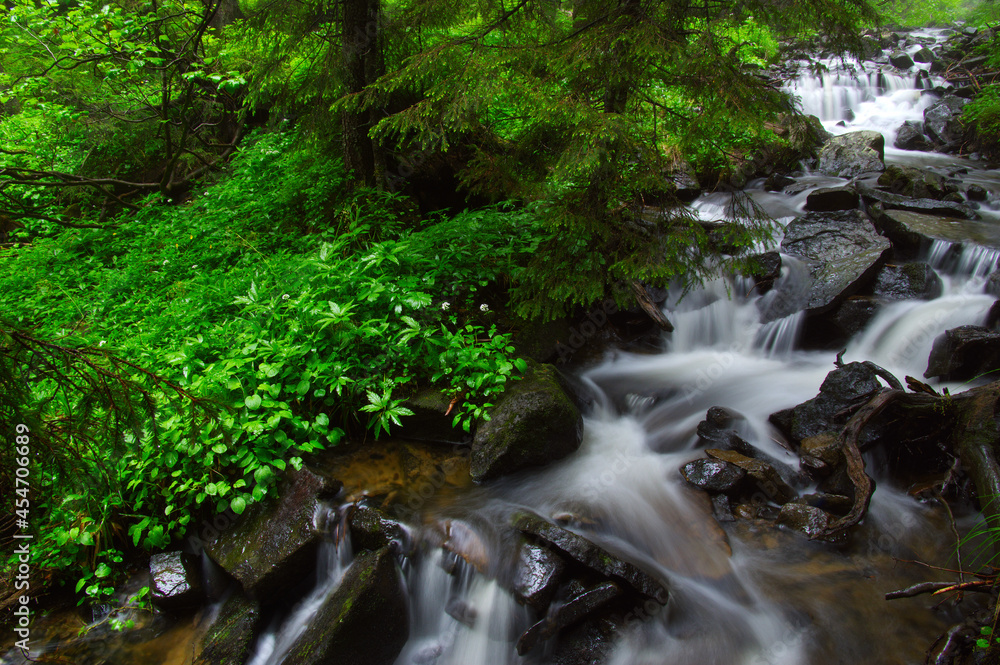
(764, 476)
(854, 314)
(924, 55)
(977, 192)
(908, 281)
(777, 182)
(992, 285)
(581, 606)
(821, 453)
(231, 636)
(964, 353)
(835, 504)
(852, 154)
(273, 545)
(371, 529)
(591, 642)
(722, 508)
(842, 250)
(714, 475)
(538, 574)
(717, 430)
(364, 622)
(768, 270)
(431, 420)
(909, 231)
(993, 317)
(534, 423)
(462, 612)
(901, 59)
(892, 201)
(942, 122)
(806, 519)
(174, 581)
(915, 183)
(684, 183)
(843, 389)
(833, 198)
(910, 136)
(589, 554)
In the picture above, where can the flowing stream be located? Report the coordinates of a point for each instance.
(749, 593)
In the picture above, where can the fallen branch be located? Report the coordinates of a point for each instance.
(649, 307)
(864, 486)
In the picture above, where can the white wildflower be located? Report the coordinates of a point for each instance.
(445, 305)
(285, 296)
(484, 308)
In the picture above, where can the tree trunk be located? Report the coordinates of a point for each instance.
(363, 64)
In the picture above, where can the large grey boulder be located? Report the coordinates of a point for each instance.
(534, 423)
(852, 154)
(901, 59)
(364, 622)
(842, 250)
(910, 136)
(916, 183)
(832, 198)
(907, 282)
(892, 201)
(912, 230)
(273, 545)
(942, 122)
(964, 353)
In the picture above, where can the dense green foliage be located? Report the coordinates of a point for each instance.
(292, 305)
(213, 262)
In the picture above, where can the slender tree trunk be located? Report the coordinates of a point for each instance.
(363, 64)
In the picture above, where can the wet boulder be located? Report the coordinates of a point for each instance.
(977, 192)
(916, 183)
(803, 518)
(371, 529)
(174, 581)
(852, 154)
(944, 208)
(853, 315)
(833, 198)
(942, 122)
(842, 250)
(964, 353)
(231, 636)
(821, 453)
(924, 56)
(589, 554)
(538, 574)
(843, 389)
(768, 269)
(364, 622)
(910, 231)
(901, 60)
(576, 609)
(535, 422)
(714, 475)
(764, 476)
(907, 282)
(910, 136)
(273, 545)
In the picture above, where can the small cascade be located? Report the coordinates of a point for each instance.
(975, 262)
(335, 557)
(459, 616)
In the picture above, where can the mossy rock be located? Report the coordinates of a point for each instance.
(232, 634)
(364, 622)
(534, 423)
